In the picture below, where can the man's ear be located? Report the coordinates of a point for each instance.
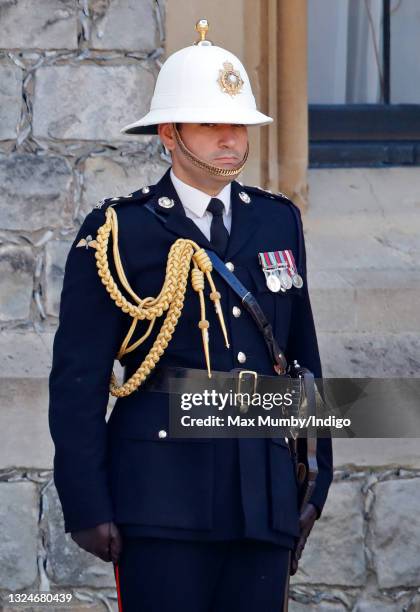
(166, 134)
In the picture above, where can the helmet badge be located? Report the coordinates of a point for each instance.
(230, 80)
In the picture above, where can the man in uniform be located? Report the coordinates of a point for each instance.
(204, 524)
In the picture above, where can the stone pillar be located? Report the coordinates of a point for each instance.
(292, 100)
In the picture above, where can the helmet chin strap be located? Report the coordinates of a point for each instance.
(210, 168)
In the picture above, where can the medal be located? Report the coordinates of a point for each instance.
(297, 280)
(272, 281)
(285, 279)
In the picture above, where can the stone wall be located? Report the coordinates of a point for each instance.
(72, 74)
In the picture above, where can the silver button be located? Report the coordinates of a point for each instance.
(236, 312)
(230, 266)
(145, 189)
(241, 357)
(166, 202)
(286, 440)
(162, 434)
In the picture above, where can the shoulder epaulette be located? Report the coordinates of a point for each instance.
(282, 197)
(140, 196)
(267, 193)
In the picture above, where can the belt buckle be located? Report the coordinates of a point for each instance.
(241, 374)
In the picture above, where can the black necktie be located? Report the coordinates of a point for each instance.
(219, 235)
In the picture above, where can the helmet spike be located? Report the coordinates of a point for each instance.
(202, 27)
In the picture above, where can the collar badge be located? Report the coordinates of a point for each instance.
(244, 197)
(166, 202)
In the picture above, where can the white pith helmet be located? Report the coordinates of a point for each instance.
(202, 83)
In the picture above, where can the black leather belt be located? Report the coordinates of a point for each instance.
(190, 380)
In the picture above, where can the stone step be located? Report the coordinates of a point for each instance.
(365, 300)
(376, 355)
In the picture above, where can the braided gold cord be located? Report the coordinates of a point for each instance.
(170, 299)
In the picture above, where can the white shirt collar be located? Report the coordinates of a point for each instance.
(197, 201)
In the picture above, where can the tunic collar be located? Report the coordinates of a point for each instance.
(196, 201)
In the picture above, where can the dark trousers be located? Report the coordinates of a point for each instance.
(162, 575)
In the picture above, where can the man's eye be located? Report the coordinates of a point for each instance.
(235, 125)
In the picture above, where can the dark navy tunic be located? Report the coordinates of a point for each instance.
(200, 489)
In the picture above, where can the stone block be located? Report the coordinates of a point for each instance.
(106, 177)
(338, 192)
(323, 606)
(55, 261)
(74, 606)
(124, 24)
(95, 606)
(34, 192)
(334, 552)
(25, 354)
(377, 453)
(362, 243)
(86, 607)
(388, 310)
(24, 420)
(19, 533)
(374, 355)
(16, 282)
(108, 97)
(10, 98)
(365, 300)
(52, 26)
(396, 533)
(363, 218)
(334, 309)
(67, 564)
(362, 279)
(378, 605)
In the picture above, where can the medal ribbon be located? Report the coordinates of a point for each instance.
(291, 260)
(272, 260)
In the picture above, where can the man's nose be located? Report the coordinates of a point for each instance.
(227, 136)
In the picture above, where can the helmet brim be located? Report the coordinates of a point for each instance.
(148, 124)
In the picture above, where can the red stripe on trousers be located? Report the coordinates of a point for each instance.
(117, 582)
